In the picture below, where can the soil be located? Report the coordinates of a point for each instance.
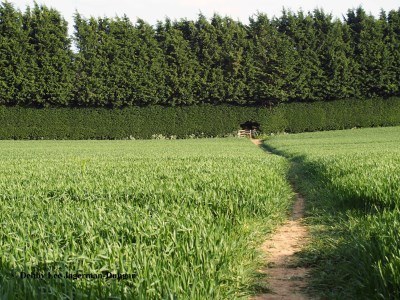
(257, 142)
(284, 279)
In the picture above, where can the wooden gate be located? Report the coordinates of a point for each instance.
(246, 133)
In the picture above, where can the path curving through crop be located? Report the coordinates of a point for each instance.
(284, 279)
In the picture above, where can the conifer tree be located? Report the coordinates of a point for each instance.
(335, 55)
(52, 56)
(296, 57)
(120, 51)
(150, 66)
(371, 53)
(233, 43)
(181, 65)
(208, 52)
(271, 69)
(392, 42)
(309, 81)
(91, 65)
(16, 76)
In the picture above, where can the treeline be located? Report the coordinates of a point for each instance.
(296, 57)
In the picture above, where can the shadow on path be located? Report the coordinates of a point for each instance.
(285, 279)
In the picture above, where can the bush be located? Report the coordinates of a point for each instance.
(333, 115)
(134, 122)
(193, 121)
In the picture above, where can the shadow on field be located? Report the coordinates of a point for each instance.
(48, 281)
(306, 175)
(349, 236)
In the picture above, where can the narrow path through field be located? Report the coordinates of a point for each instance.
(284, 279)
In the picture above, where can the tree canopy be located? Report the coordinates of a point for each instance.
(115, 62)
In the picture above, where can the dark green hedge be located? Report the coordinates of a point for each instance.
(143, 123)
(204, 120)
(334, 115)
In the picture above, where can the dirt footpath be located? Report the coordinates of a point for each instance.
(284, 279)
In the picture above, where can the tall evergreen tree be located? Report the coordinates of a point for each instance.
(392, 41)
(121, 60)
(208, 52)
(371, 52)
(16, 76)
(181, 65)
(52, 55)
(150, 65)
(335, 55)
(309, 81)
(233, 43)
(297, 57)
(91, 65)
(271, 69)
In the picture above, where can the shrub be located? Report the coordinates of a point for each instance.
(195, 121)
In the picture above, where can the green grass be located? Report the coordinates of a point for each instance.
(351, 180)
(185, 217)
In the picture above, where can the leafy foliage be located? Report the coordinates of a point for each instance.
(16, 74)
(118, 63)
(51, 57)
(193, 121)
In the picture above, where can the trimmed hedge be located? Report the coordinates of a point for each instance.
(138, 123)
(334, 115)
(203, 121)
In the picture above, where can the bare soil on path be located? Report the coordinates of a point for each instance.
(284, 279)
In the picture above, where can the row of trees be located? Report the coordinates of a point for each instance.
(296, 57)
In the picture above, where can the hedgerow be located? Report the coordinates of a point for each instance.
(193, 121)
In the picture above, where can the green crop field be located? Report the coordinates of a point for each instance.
(178, 219)
(351, 180)
(183, 219)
